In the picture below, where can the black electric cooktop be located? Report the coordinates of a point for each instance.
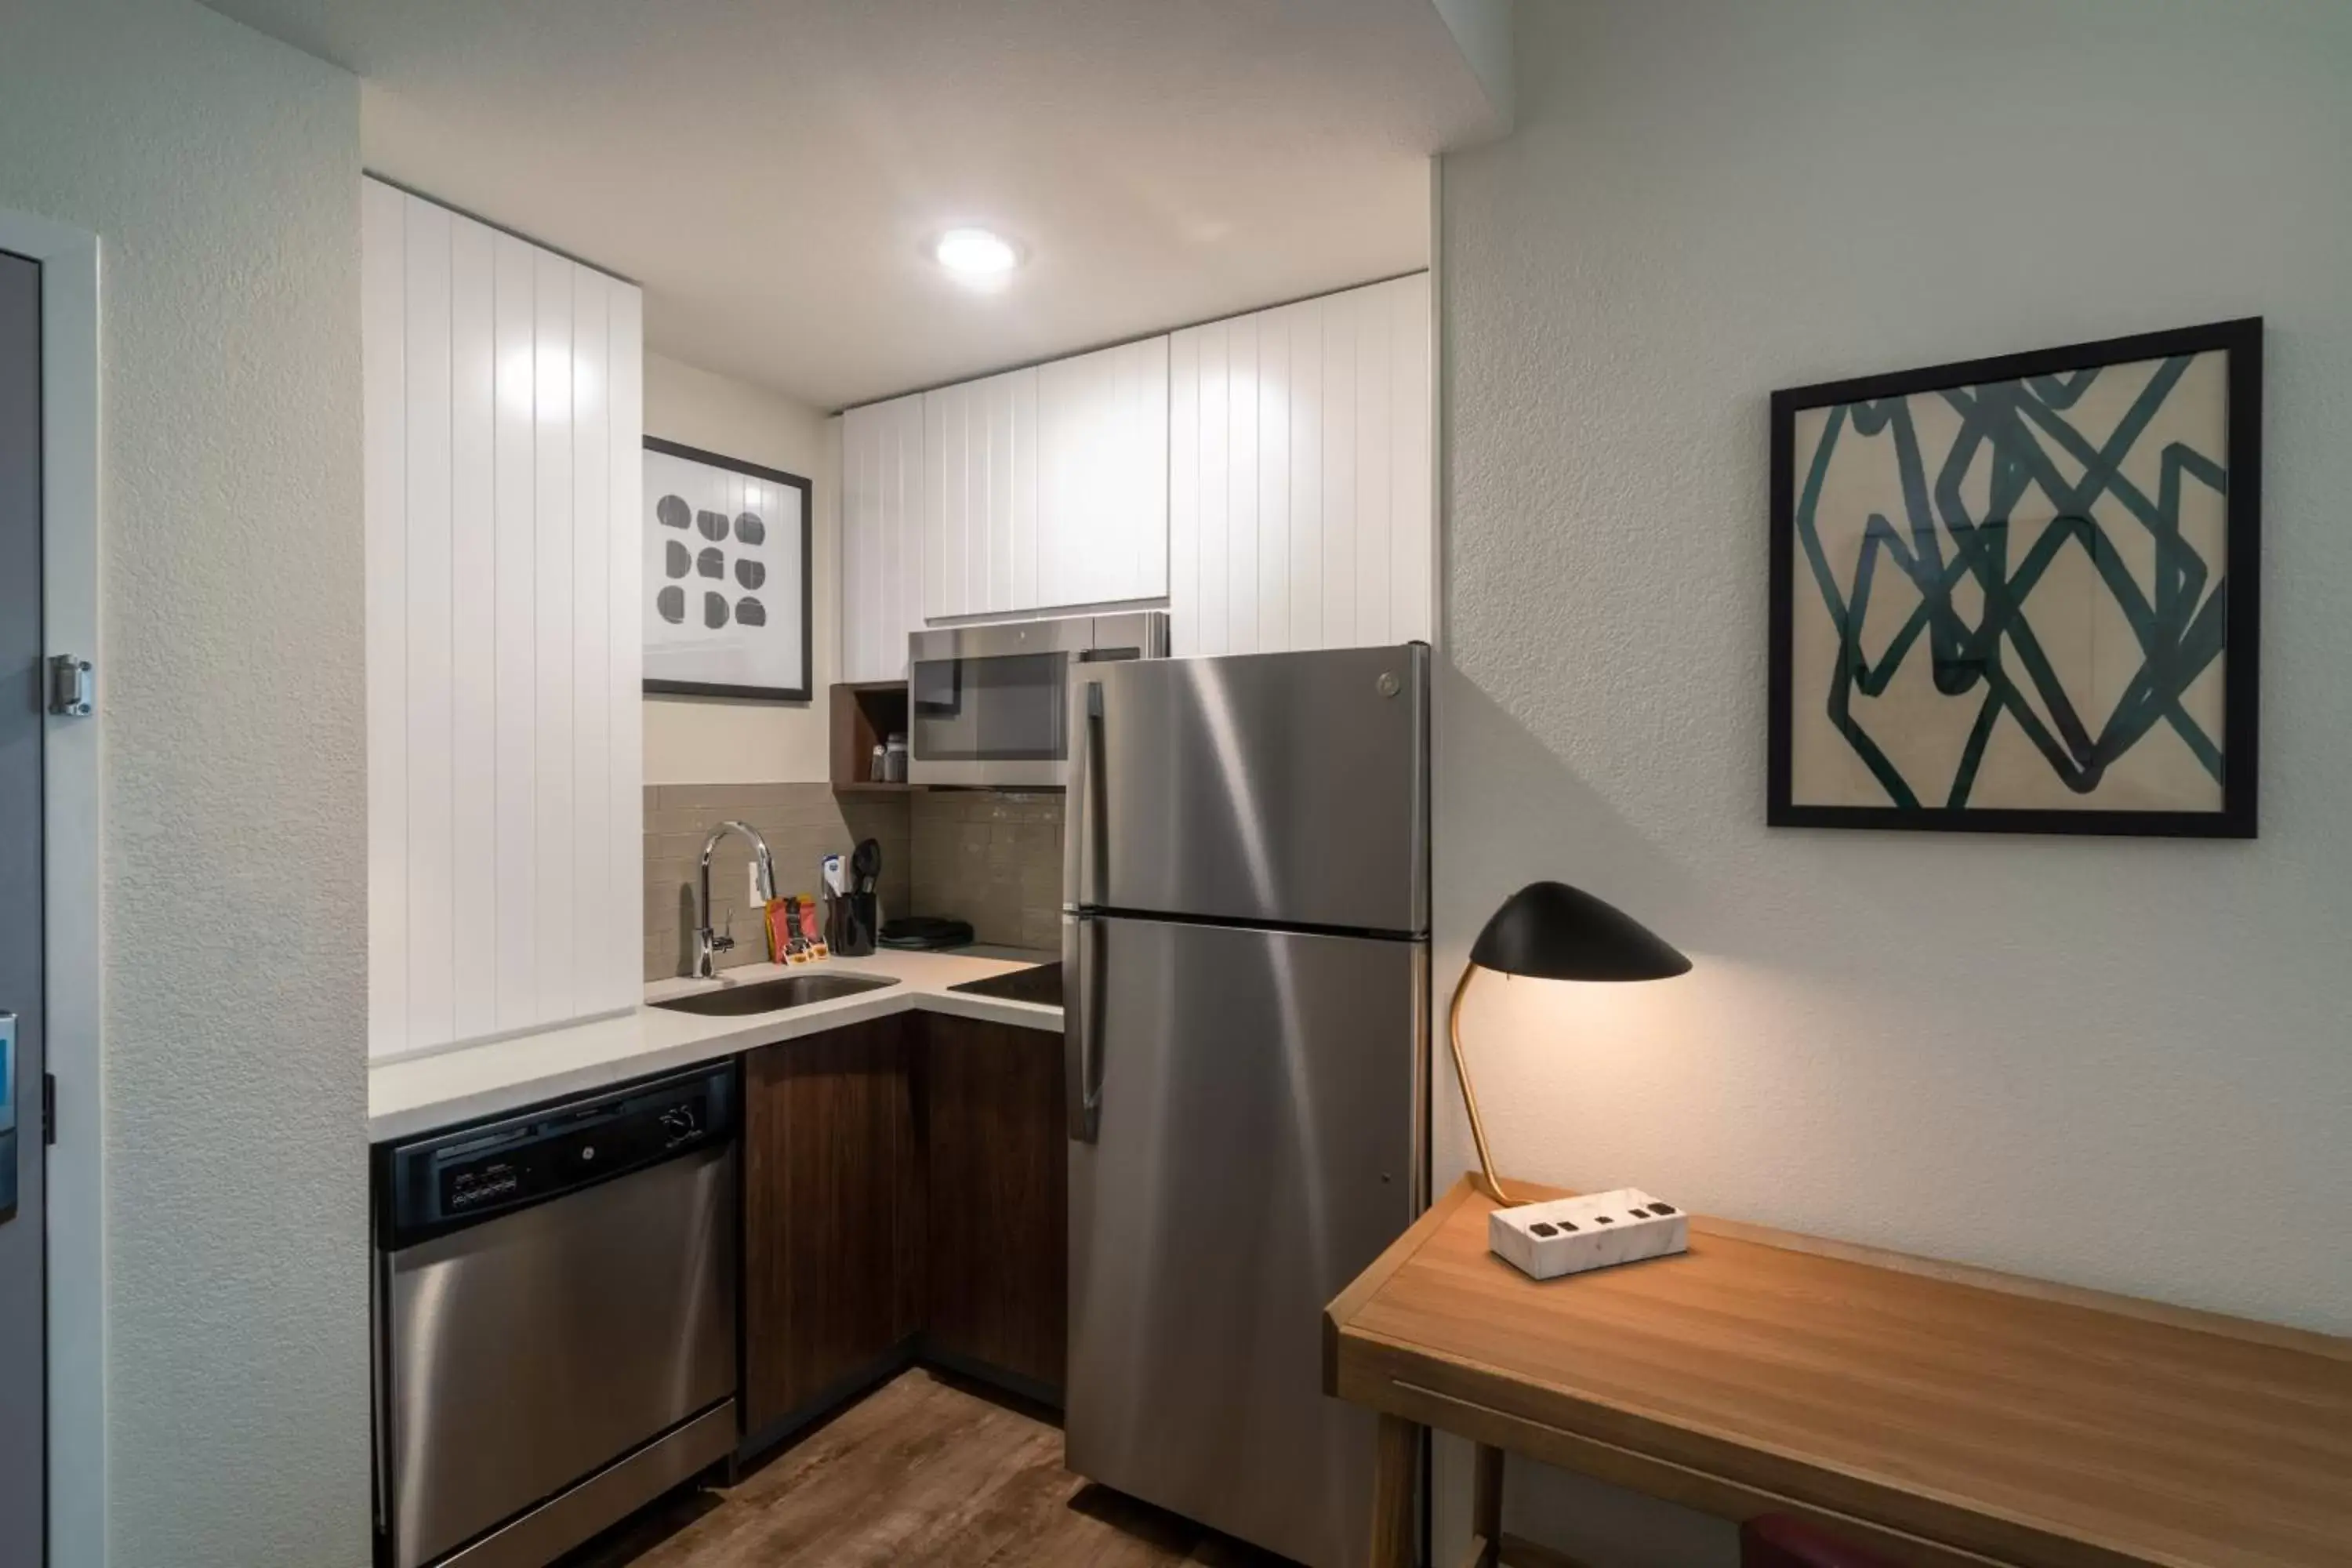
(1041, 984)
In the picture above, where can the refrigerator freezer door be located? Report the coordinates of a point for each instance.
(1283, 789)
(1256, 1149)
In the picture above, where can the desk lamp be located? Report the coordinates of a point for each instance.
(1550, 930)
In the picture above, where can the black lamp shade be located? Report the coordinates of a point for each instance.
(1550, 930)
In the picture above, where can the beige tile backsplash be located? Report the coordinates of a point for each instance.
(803, 823)
(988, 857)
(993, 858)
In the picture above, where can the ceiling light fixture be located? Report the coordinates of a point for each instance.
(976, 254)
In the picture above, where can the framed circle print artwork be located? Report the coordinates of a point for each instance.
(2021, 594)
(726, 576)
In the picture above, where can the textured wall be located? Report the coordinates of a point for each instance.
(803, 823)
(2121, 1063)
(221, 172)
(993, 858)
(705, 739)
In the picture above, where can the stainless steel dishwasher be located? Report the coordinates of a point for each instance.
(555, 1320)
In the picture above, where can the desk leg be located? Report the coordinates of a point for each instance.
(1396, 1472)
(1487, 1506)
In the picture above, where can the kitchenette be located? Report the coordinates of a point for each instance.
(1254, 783)
(1120, 1184)
(1056, 1017)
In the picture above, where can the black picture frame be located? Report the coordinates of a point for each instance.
(806, 690)
(2242, 340)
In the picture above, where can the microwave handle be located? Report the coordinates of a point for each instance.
(1086, 860)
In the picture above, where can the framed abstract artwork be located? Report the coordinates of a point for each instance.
(2021, 594)
(726, 576)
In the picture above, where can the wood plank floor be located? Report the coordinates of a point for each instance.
(922, 1473)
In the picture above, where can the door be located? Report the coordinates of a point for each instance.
(980, 496)
(882, 559)
(23, 1290)
(1102, 477)
(1287, 789)
(997, 1172)
(831, 1219)
(1298, 444)
(1244, 1111)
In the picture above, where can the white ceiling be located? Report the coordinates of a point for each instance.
(771, 170)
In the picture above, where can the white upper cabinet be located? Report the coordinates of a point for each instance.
(1299, 506)
(882, 550)
(1102, 477)
(503, 430)
(1047, 489)
(980, 496)
(1267, 476)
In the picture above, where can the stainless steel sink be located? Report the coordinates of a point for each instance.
(772, 995)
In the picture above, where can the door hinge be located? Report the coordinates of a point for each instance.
(48, 1108)
(72, 687)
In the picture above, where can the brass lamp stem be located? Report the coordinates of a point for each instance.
(1469, 1098)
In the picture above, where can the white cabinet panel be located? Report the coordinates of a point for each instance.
(621, 968)
(473, 630)
(980, 496)
(883, 560)
(595, 509)
(516, 596)
(430, 590)
(1102, 477)
(1046, 487)
(552, 548)
(1299, 511)
(503, 423)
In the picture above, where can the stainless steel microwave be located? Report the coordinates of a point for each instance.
(990, 705)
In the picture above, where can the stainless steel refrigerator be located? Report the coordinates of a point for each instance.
(1245, 956)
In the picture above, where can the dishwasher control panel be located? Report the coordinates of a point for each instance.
(432, 1185)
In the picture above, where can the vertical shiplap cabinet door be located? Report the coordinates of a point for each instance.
(473, 631)
(619, 967)
(1102, 477)
(980, 496)
(883, 563)
(504, 418)
(515, 595)
(1299, 510)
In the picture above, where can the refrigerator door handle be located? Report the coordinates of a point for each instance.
(1082, 1029)
(7, 1117)
(1085, 870)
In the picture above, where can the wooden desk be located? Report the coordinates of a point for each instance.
(1937, 1414)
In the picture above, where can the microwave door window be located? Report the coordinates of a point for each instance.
(937, 688)
(1002, 709)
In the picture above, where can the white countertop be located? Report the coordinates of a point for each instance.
(423, 1094)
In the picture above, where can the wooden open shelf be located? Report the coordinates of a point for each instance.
(864, 713)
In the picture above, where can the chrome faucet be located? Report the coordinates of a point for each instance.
(707, 944)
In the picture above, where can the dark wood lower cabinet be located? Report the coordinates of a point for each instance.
(905, 1189)
(997, 1183)
(831, 1215)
